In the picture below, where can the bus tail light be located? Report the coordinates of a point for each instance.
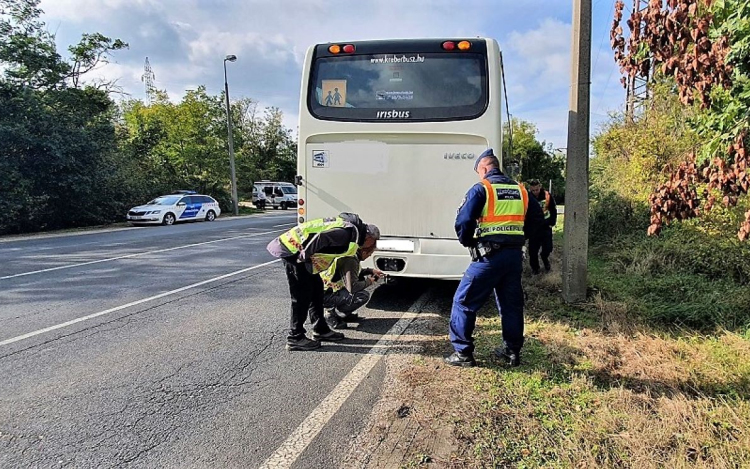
(301, 219)
(349, 48)
(449, 45)
(301, 211)
(301, 201)
(334, 49)
(464, 45)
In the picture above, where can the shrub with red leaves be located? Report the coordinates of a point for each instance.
(675, 38)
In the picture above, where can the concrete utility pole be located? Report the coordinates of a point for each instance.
(576, 229)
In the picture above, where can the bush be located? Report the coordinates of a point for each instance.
(612, 216)
(695, 274)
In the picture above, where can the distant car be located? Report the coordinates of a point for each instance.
(168, 209)
(281, 195)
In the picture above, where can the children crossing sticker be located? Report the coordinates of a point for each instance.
(334, 93)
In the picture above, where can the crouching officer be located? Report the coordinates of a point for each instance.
(346, 284)
(307, 250)
(494, 220)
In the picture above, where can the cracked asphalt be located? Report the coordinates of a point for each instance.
(194, 378)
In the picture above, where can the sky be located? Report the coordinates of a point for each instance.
(186, 41)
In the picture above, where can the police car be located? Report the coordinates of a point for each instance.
(180, 206)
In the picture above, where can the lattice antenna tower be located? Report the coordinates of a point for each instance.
(637, 86)
(148, 78)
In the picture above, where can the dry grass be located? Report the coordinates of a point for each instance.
(597, 388)
(584, 398)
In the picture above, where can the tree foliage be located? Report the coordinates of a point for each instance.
(70, 156)
(536, 159)
(704, 47)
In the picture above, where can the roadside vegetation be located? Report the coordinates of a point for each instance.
(75, 151)
(607, 383)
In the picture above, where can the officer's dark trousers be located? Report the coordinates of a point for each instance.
(306, 290)
(345, 302)
(543, 240)
(499, 272)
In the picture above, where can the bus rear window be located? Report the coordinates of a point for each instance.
(402, 87)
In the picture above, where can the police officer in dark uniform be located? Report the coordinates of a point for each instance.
(495, 219)
(543, 238)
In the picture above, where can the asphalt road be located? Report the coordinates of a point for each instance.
(164, 347)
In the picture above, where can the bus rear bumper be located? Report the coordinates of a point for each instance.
(443, 259)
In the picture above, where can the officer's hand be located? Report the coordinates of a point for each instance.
(378, 273)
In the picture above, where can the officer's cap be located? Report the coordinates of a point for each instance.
(485, 154)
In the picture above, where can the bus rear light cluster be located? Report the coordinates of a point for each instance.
(301, 201)
(335, 48)
(450, 45)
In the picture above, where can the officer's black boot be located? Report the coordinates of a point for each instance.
(459, 359)
(547, 265)
(508, 356)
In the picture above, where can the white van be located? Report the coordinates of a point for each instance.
(278, 194)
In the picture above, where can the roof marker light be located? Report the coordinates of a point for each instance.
(334, 49)
(449, 45)
(464, 45)
(349, 48)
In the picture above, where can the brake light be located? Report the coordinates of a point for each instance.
(349, 48)
(301, 201)
(334, 49)
(449, 45)
(464, 45)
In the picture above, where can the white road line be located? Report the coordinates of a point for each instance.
(300, 438)
(134, 303)
(284, 224)
(127, 256)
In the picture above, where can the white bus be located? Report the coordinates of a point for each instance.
(390, 130)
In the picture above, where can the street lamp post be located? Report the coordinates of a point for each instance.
(235, 203)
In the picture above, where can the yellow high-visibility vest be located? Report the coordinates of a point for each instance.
(295, 239)
(504, 209)
(328, 275)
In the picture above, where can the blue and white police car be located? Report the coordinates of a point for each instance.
(169, 209)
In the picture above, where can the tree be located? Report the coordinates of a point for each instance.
(536, 159)
(184, 145)
(703, 47)
(58, 147)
